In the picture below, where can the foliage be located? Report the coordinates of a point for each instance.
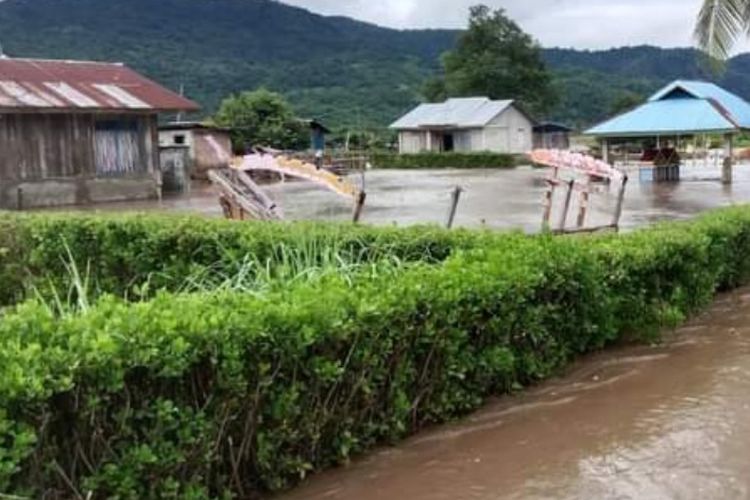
(625, 102)
(496, 59)
(353, 76)
(133, 256)
(261, 118)
(225, 393)
(720, 24)
(444, 160)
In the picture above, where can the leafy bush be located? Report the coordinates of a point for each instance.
(226, 393)
(445, 160)
(135, 255)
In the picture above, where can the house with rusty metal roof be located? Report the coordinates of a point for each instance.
(77, 132)
(466, 125)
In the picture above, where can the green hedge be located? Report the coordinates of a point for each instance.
(445, 160)
(204, 395)
(124, 252)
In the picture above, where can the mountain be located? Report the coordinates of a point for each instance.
(592, 83)
(340, 70)
(347, 73)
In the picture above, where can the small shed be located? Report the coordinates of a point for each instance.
(318, 133)
(75, 132)
(207, 146)
(681, 110)
(467, 125)
(550, 135)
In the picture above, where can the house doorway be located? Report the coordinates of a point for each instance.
(448, 145)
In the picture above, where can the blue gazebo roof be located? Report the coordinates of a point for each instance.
(681, 108)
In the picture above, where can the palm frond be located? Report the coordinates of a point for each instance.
(720, 24)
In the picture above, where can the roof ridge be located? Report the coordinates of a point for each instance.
(65, 61)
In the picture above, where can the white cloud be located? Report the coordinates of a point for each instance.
(593, 24)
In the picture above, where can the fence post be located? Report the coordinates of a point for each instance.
(566, 206)
(455, 197)
(359, 205)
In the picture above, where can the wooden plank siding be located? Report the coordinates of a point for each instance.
(54, 157)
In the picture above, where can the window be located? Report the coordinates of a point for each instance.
(179, 140)
(116, 147)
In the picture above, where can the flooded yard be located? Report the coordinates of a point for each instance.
(496, 198)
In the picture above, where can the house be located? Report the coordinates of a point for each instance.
(207, 146)
(681, 110)
(318, 133)
(549, 135)
(74, 132)
(465, 124)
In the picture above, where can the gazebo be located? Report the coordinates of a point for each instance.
(682, 109)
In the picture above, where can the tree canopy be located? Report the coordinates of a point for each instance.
(497, 59)
(261, 118)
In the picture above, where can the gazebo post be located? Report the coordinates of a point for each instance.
(726, 171)
(605, 150)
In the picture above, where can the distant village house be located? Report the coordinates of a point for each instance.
(549, 135)
(76, 132)
(465, 125)
(206, 146)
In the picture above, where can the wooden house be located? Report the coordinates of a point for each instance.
(74, 132)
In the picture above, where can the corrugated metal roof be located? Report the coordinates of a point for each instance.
(465, 112)
(681, 108)
(37, 84)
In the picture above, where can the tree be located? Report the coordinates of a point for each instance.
(720, 25)
(261, 118)
(625, 101)
(496, 59)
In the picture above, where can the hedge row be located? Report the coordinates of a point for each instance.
(124, 252)
(445, 160)
(226, 394)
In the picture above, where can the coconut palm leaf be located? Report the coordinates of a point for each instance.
(720, 24)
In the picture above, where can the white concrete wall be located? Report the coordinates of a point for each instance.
(509, 132)
(411, 142)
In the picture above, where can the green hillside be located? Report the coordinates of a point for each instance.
(348, 73)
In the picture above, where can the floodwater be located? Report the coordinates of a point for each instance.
(499, 199)
(663, 422)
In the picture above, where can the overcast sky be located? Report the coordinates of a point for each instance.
(594, 24)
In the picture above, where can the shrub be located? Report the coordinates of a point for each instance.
(226, 393)
(445, 160)
(135, 255)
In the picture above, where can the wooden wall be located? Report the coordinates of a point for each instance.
(74, 148)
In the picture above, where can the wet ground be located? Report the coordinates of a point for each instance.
(499, 199)
(666, 422)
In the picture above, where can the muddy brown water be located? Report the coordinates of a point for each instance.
(499, 199)
(663, 422)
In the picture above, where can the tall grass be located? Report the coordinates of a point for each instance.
(308, 261)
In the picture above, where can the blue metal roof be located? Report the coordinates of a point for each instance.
(681, 108)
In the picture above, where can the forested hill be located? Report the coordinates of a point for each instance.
(345, 72)
(335, 68)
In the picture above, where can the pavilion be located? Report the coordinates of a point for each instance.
(682, 109)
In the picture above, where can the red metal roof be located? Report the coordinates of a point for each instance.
(36, 84)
